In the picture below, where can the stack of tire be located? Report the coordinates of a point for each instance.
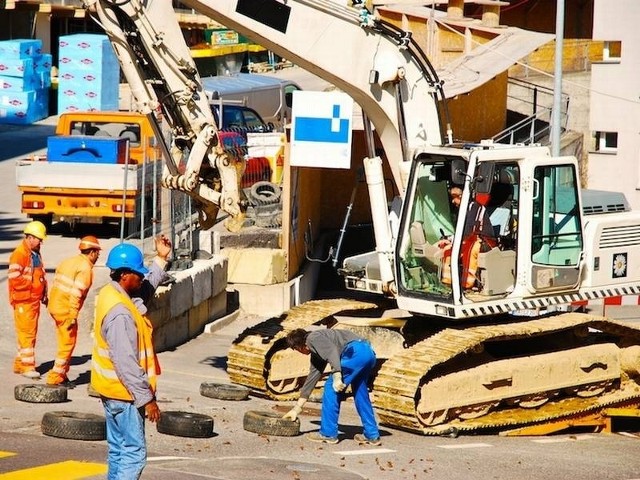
(265, 198)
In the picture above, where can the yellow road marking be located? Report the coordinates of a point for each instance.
(7, 454)
(70, 470)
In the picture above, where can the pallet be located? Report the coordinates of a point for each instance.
(601, 422)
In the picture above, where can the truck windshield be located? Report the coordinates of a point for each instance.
(240, 118)
(130, 131)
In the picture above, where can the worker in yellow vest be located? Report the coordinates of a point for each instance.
(69, 290)
(27, 289)
(124, 366)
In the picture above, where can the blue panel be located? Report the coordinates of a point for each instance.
(79, 148)
(310, 129)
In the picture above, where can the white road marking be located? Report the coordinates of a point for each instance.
(163, 459)
(371, 451)
(573, 438)
(466, 445)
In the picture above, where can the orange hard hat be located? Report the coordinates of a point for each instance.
(89, 242)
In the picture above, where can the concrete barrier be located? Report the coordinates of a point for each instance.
(181, 310)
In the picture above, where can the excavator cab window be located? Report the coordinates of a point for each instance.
(557, 242)
(429, 217)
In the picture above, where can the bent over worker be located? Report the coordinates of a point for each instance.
(27, 289)
(351, 359)
(71, 284)
(124, 366)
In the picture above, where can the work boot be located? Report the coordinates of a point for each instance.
(362, 440)
(61, 382)
(32, 374)
(319, 438)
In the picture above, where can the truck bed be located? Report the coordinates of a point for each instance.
(43, 174)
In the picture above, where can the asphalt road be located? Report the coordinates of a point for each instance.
(233, 453)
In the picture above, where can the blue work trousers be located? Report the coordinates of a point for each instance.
(357, 361)
(127, 449)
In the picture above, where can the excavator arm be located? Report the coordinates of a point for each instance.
(378, 65)
(161, 73)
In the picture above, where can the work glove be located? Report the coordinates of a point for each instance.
(338, 386)
(295, 411)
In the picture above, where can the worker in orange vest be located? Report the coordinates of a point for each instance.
(27, 289)
(69, 290)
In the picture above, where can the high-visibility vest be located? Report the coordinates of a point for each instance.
(26, 275)
(103, 375)
(470, 250)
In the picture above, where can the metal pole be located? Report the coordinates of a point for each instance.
(557, 84)
(143, 189)
(123, 218)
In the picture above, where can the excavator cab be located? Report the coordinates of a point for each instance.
(464, 237)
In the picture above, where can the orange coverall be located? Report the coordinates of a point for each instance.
(69, 290)
(27, 288)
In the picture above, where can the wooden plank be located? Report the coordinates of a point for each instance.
(596, 420)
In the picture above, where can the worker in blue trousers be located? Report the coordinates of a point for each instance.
(351, 359)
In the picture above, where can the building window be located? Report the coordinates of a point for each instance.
(606, 141)
(611, 51)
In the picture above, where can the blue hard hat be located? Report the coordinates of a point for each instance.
(127, 256)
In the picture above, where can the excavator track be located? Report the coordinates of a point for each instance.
(255, 356)
(403, 379)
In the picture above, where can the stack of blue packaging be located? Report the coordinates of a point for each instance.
(25, 78)
(88, 74)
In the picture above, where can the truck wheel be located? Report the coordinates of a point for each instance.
(223, 391)
(47, 220)
(265, 193)
(185, 424)
(270, 423)
(74, 425)
(33, 393)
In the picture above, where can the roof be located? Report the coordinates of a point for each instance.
(240, 83)
(488, 60)
(485, 61)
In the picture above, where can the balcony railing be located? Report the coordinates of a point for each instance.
(530, 108)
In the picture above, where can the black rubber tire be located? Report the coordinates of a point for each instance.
(34, 393)
(74, 425)
(185, 424)
(223, 391)
(264, 193)
(270, 423)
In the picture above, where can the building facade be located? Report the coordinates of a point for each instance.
(614, 152)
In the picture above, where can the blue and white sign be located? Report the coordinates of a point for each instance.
(321, 129)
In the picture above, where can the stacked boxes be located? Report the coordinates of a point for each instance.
(25, 78)
(88, 74)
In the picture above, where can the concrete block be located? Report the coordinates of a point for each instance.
(198, 318)
(218, 305)
(181, 293)
(159, 309)
(201, 277)
(256, 266)
(264, 300)
(172, 334)
(220, 272)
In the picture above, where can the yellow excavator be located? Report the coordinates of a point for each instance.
(475, 328)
